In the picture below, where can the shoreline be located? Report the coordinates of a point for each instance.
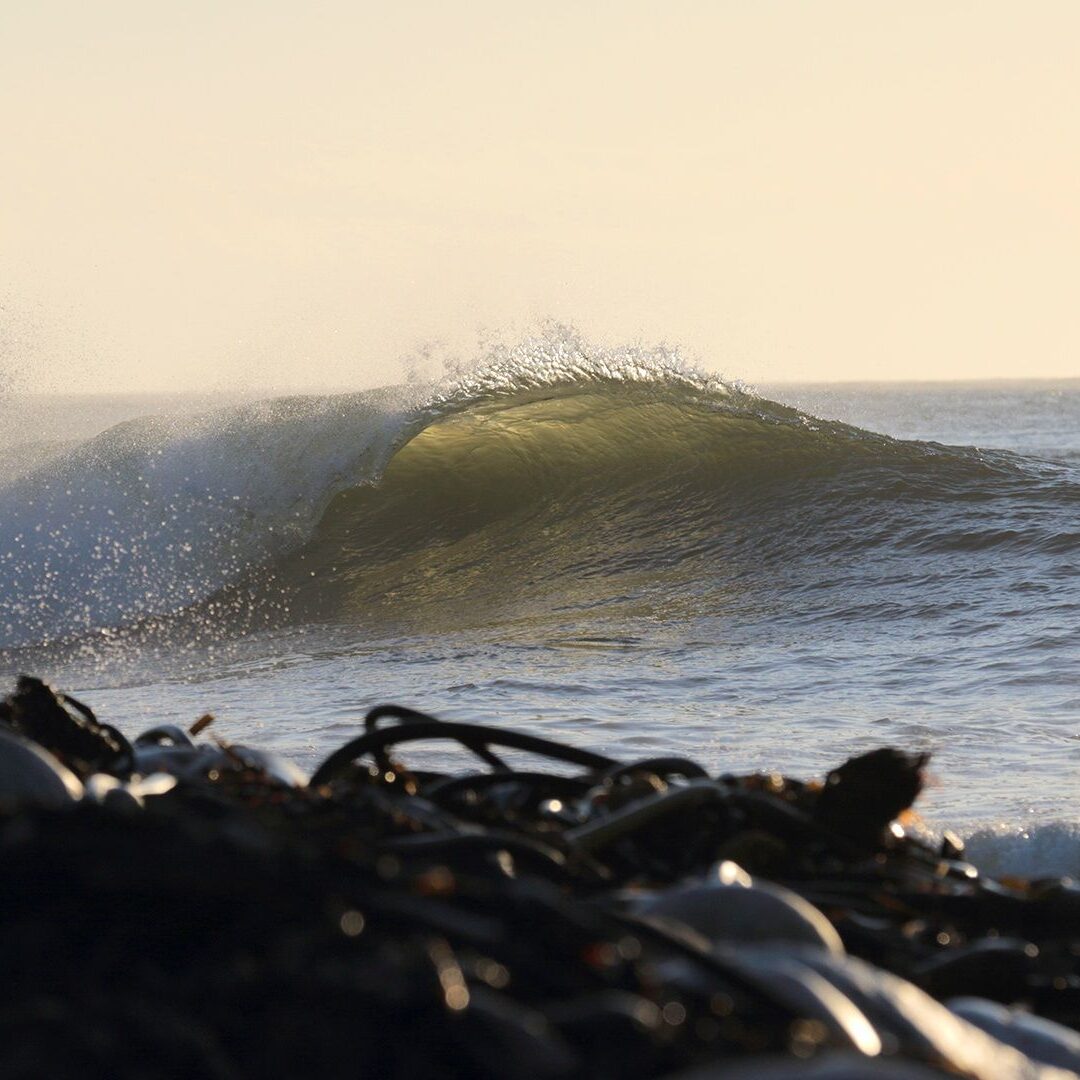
(584, 915)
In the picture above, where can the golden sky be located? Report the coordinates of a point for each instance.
(232, 193)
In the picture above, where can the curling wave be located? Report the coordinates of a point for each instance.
(550, 475)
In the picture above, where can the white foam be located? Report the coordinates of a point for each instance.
(1049, 849)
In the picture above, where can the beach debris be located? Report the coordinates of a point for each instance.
(29, 774)
(204, 909)
(867, 792)
(65, 727)
(201, 724)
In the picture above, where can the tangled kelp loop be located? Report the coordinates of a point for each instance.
(202, 909)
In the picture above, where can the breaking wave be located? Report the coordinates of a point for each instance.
(551, 474)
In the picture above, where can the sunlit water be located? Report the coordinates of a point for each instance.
(612, 552)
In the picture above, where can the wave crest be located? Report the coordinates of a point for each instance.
(549, 463)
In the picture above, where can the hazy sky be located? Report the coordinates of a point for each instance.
(225, 193)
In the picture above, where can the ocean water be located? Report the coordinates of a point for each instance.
(601, 545)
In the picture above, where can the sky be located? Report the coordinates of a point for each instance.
(228, 194)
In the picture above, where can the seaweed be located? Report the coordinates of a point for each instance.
(234, 919)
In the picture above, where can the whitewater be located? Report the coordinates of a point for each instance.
(607, 546)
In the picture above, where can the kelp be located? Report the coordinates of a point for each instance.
(202, 908)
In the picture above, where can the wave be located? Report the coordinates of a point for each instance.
(566, 473)
(1048, 849)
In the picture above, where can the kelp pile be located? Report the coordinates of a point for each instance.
(173, 907)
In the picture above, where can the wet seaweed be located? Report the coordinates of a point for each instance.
(208, 911)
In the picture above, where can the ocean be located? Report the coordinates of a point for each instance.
(605, 546)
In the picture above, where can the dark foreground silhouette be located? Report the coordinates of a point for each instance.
(176, 908)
